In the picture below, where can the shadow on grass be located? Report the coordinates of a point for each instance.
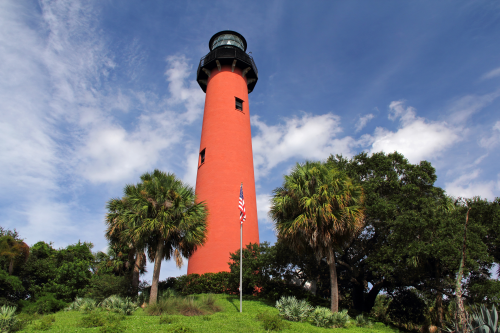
(232, 300)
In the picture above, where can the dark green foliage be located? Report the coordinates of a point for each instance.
(216, 283)
(272, 322)
(11, 288)
(379, 309)
(406, 307)
(46, 303)
(102, 286)
(253, 263)
(413, 233)
(66, 272)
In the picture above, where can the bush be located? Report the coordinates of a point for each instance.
(187, 306)
(112, 327)
(47, 303)
(169, 292)
(167, 320)
(215, 283)
(340, 319)
(82, 304)
(379, 310)
(45, 323)
(8, 318)
(362, 321)
(292, 309)
(272, 322)
(93, 319)
(273, 290)
(406, 308)
(119, 305)
(103, 286)
(322, 317)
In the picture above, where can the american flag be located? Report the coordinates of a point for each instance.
(241, 205)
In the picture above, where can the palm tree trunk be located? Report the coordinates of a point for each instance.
(439, 310)
(153, 296)
(11, 267)
(334, 306)
(136, 271)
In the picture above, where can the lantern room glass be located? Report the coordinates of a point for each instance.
(228, 40)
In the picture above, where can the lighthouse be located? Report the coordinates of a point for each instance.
(227, 74)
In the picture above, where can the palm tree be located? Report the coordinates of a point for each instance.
(172, 224)
(320, 206)
(122, 223)
(13, 249)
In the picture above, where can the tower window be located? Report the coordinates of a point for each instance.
(239, 104)
(202, 157)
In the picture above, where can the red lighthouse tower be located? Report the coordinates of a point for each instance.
(227, 74)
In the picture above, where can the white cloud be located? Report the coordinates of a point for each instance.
(416, 138)
(466, 106)
(494, 139)
(308, 137)
(263, 207)
(466, 186)
(61, 119)
(363, 121)
(491, 74)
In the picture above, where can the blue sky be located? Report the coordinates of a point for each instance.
(95, 93)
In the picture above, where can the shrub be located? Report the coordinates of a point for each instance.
(169, 292)
(379, 310)
(340, 319)
(93, 319)
(187, 306)
(167, 320)
(272, 322)
(292, 309)
(103, 286)
(45, 323)
(215, 283)
(119, 305)
(322, 317)
(112, 327)
(362, 321)
(82, 304)
(8, 318)
(273, 290)
(479, 320)
(47, 303)
(406, 308)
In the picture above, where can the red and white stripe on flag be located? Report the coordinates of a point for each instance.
(241, 205)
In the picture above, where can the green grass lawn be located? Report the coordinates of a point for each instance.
(228, 320)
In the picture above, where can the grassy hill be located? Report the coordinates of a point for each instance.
(227, 320)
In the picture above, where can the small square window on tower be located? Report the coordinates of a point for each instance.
(202, 158)
(239, 104)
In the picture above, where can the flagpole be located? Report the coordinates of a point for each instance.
(241, 266)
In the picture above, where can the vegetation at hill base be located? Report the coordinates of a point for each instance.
(372, 231)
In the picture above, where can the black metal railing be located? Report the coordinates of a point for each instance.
(227, 53)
